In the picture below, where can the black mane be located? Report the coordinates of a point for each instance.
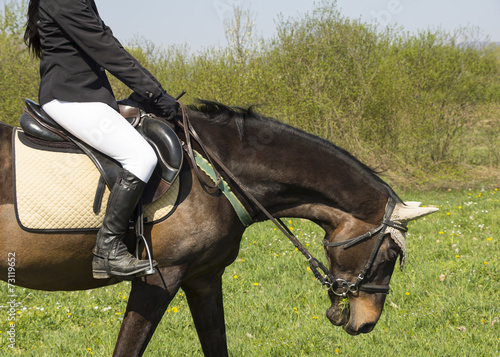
(221, 114)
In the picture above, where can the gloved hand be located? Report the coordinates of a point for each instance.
(165, 106)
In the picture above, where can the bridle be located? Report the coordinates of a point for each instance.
(359, 285)
(339, 287)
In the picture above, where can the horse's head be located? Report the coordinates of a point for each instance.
(362, 259)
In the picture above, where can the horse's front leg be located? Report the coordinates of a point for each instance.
(148, 301)
(204, 296)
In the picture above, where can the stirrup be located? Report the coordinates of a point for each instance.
(139, 232)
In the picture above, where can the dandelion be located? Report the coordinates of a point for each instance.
(315, 317)
(441, 232)
(90, 351)
(256, 284)
(485, 263)
(488, 239)
(338, 351)
(308, 268)
(457, 256)
(448, 213)
(235, 276)
(290, 222)
(459, 207)
(482, 321)
(174, 310)
(407, 293)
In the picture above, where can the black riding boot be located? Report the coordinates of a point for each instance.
(111, 257)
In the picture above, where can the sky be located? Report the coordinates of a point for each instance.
(200, 24)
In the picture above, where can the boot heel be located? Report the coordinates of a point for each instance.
(100, 275)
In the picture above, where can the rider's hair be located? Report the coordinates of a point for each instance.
(31, 36)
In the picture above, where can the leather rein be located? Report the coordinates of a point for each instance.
(339, 287)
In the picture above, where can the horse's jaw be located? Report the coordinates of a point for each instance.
(359, 315)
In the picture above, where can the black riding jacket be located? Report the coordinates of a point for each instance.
(77, 49)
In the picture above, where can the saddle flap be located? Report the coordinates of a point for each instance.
(166, 145)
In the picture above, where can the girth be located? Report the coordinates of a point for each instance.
(45, 131)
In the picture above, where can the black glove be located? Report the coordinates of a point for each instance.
(165, 106)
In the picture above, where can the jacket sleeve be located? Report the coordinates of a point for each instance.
(86, 29)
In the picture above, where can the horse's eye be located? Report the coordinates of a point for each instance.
(392, 254)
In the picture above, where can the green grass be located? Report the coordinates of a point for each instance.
(274, 307)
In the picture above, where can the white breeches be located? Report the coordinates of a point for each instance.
(103, 128)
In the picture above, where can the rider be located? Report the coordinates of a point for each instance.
(75, 48)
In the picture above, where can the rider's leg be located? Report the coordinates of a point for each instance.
(106, 130)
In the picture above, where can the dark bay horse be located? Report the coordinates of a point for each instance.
(291, 173)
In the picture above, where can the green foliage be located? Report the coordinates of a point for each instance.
(447, 292)
(398, 101)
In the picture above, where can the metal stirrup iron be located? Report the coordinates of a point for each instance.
(139, 232)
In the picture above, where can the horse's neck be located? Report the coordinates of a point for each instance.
(285, 169)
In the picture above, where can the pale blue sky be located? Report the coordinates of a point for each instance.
(199, 23)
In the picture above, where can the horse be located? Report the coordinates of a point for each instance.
(290, 173)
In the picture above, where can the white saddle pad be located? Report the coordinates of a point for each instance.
(55, 190)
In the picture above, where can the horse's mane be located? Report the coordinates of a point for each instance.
(222, 114)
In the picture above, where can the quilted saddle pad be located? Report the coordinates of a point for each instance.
(54, 190)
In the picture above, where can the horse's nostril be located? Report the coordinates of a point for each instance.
(365, 328)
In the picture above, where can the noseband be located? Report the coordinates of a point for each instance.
(334, 285)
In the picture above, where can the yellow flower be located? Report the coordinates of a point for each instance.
(315, 317)
(290, 222)
(457, 256)
(407, 293)
(488, 238)
(174, 310)
(256, 284)
(441, 232)
(486, 263)
(235, 276)
(448, 213)
(459, 207)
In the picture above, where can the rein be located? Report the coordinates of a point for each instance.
(320, 271)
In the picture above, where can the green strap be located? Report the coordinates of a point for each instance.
(241, 211)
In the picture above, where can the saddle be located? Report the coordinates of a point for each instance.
(44, 131)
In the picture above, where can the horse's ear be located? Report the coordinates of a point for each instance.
(410, 211)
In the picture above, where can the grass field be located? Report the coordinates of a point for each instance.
(446, 302)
